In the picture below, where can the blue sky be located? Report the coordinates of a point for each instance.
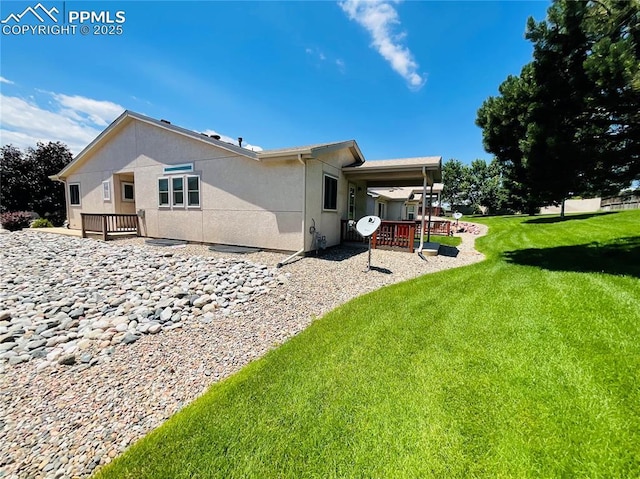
(403, 79)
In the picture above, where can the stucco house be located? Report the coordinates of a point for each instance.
(182, 184)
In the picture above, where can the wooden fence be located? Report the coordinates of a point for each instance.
(616, 203)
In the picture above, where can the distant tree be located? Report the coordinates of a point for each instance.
(25, 179)
(483, 186)
(454, 178)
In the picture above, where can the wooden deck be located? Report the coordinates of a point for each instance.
(106, 224)
(396, 235)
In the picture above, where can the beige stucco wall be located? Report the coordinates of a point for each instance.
(327, 223)
(243, 201)
(395, 210)
(361, 200)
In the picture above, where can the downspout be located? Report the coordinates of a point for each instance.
(424, 203)
(304, 213)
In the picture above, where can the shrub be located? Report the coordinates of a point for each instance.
(42, 223)
(15, 220)
(57, 218)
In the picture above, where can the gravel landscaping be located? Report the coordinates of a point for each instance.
(102, 342)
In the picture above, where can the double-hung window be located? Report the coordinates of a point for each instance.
(163, 191)
(193, 190)
(179, 191)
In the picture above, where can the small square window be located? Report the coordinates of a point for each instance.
(74, 194)
(128, 193)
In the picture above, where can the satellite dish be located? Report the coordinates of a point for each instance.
(367, 225)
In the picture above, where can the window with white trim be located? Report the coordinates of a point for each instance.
(128, 193)
(74, 194)
(193, 190)
(179, 191)
(330, 193)
(106, 190)
(163, 191)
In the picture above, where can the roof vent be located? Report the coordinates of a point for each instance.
(240, 141)
(165, 121)
(215, 137)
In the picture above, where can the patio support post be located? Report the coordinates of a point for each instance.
(429, 227)
(424, 205)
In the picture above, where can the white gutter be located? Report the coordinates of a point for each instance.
(304, 213)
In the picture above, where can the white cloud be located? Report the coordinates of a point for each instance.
(75, 121)
(316, 53)
(4, 80)
(379, 18)
(233, 141)
(341, 65)
(99, 112)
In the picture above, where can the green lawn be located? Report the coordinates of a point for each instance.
(526, 365)
(445, 240)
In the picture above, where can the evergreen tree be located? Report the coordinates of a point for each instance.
(570, 123)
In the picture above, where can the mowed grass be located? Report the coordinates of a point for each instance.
(526, 365)
(444, 240)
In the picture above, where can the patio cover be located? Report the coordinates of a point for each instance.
(424, 170)
(399, 172)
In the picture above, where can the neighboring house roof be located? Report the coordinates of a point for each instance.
(402, 193)
(303, 152)
(128, 116)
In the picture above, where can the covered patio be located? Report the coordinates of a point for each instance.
(420, 174)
